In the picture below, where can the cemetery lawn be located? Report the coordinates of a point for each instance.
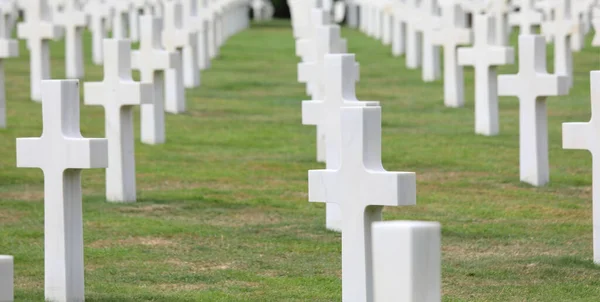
(223, 215)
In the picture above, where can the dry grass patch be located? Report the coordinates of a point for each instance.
(246, 217)
(132, 241)
(201, 266)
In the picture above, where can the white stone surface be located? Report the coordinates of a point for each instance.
(187, 26)
(414, 43)
(38, 30)
(561, 28)
(340, 77)
(153, 61)
(596, 24)
(532, 85)
(61, 152)
(450, 35)
(8, 49)
(585, 136)
(6, 279)
(175, 39)
(407, 261)
(327, 41)
(499, 9)
(398, 29)
(361, 187)
(100, 13)
(121, 18)
(73, 20)
(526, 18)
(118, 93)
(484, 57)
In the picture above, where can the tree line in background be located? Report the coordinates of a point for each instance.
(281, 9)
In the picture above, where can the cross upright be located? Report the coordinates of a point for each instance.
(118, 93)
(120, 18)
(361, 187)
(532, 85)
(526, 18)
(484, 57)
(189, 26)
(499, 10)
(38, 29)
(73, 20)
(327, 42)
(9, 12)
(596, 24)
(175, 38)
(414, 47)
(9, 48)
(561, 28)
(339, 75)
(61, 152)
(399, 19)
(586, 136)
(152, 61)
(450, 35)
(305, 46)
(427, 23)
(100, 12)
(200, 25)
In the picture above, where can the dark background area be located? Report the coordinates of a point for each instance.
(281, 9)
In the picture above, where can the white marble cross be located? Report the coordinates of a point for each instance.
(450, 35)
(414, 45)
(427, 23)
(175, 39)
(532, 85)
(38, 29)
(561, 28)
(596, 24)
(100, 13)
(7, 272)
(499, 9)
(526, 18)
(327, 41)
(121, 18)
(8, 49)
(586, 136)
(153, 61)
(188, 26)
(484, 57)
(399, 28)
(73, 20)
(361, 187)
(61, 152)
(339, 75)
(118, 93)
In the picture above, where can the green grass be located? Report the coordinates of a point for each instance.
(222, 213)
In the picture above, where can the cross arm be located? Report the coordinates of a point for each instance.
(134, 93)
(305, 71)
(311, 112)
(577, 136)
(86, 153)
(303, 47)
(9, 49)
(502, 56)
(323, 186)
(508, 85)
(93, 93)
(466, 56)
(391, 188)
(28, 153)
(551, 85)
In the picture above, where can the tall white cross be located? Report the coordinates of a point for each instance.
(499, 9)
(121, 18)
(38, 29)
(100, 13)
(596, 24)
(339, 74)
(427, 23)
(450, 35)
(414, 46)
(399, 28)
(484, 57)
(175, 38)
(118, 93)
(9, 48)
(361, 187)
(73, 20)
(532, 85)
(586, 136)
(327, 41)
(61, 152)
(561, 28)
(526, 18)
(152, 61)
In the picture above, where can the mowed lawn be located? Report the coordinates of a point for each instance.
(222, 211)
